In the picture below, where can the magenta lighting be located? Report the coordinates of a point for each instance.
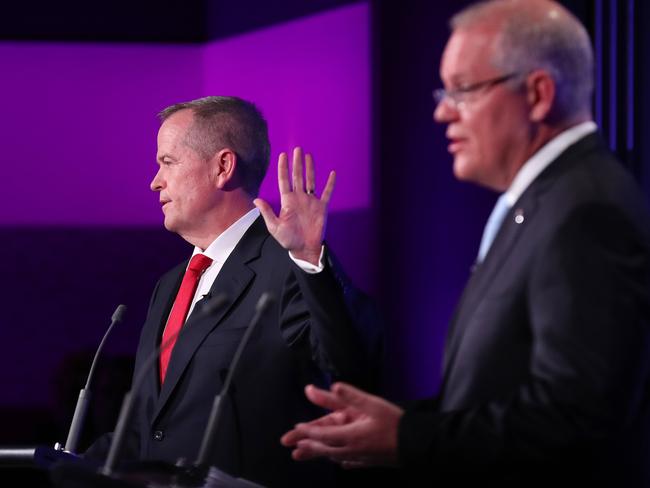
(79, 127)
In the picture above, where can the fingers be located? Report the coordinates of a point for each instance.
(297, 170)
(330, 435)
(283, 174)
(310, 183)
(323, 398)
(329, 187)
(292, 437)
(267, 213)
(306, 184)
(348, 395)
(310, 449)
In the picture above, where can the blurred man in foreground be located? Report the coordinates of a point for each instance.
(546, 363)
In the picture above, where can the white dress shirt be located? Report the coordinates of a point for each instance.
(530, 170)
(545, 156)
(222, 246)
(219, 250)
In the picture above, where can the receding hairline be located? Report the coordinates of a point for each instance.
(219, 122)
(500, 12)
(537, 34)
(167, 112)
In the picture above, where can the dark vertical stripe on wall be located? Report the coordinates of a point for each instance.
(631, 68)
(616, 45)
(640, 77)
(613, 74)
(621, 101)
(598, 50)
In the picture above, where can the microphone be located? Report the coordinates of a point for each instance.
(210, 436)
(83, 401)
(119, 434)
(200, 474)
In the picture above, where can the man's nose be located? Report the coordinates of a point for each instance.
(445, 111)
(157, 183)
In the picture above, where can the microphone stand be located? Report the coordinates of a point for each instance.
(85, 394)
(45, 456)
(162, 474)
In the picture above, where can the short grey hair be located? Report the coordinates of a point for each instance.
(231, 122)
(540, 35)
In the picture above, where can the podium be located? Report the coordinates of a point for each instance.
(150, 474)
(17, 468)
(70, 471)
(17, 457)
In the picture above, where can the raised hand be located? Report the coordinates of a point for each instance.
(361, 431)
(300, 226)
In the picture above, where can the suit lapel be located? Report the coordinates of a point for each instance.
(157, 319)
(520, 217)
(484, 274)
(232, 281)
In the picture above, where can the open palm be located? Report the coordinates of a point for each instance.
(300, 226)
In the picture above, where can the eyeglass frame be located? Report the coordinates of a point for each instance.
(441, 94)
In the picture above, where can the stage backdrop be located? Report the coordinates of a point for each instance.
(79, 228)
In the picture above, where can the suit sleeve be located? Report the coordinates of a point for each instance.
(587, 301)
(336, 323)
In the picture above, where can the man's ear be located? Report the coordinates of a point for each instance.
(540, 94)
(224, 163)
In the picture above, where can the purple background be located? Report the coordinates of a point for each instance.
(80, 126)
(81, 232)
(79, 133)
(80, 229)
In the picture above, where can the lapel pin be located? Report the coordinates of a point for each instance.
(519, 216)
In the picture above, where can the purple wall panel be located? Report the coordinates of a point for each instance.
(311, 78)
(79, 126)
(79, 141)
(78, 130)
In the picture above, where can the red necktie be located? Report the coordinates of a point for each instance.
(198, 264)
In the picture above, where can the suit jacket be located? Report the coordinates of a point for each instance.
(307, 336)
(546, 363)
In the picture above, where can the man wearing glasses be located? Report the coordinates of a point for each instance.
(547, 359)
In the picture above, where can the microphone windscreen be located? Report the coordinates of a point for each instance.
(118, 315)
(264, 302)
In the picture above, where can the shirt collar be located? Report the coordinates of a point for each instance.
(222, 246)
(545, 156)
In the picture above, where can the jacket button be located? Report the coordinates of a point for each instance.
(158, 435)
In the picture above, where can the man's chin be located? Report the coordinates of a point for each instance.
(462, 169)
(169, 224)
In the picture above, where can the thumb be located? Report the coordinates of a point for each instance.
(268, 214)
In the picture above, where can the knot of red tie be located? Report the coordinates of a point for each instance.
(199, 263)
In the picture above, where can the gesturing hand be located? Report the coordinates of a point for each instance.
(361, 431)
(300, 227)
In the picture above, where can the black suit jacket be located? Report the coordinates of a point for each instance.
(546, 363)
(307, 336)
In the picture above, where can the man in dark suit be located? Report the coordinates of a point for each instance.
(212, 157)
(547, 359)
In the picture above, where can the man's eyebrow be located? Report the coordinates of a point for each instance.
(164, 156)
(458, 78)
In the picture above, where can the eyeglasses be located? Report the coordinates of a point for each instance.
(461, 95)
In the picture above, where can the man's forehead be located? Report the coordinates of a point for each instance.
(468, 51)
(173, 130)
